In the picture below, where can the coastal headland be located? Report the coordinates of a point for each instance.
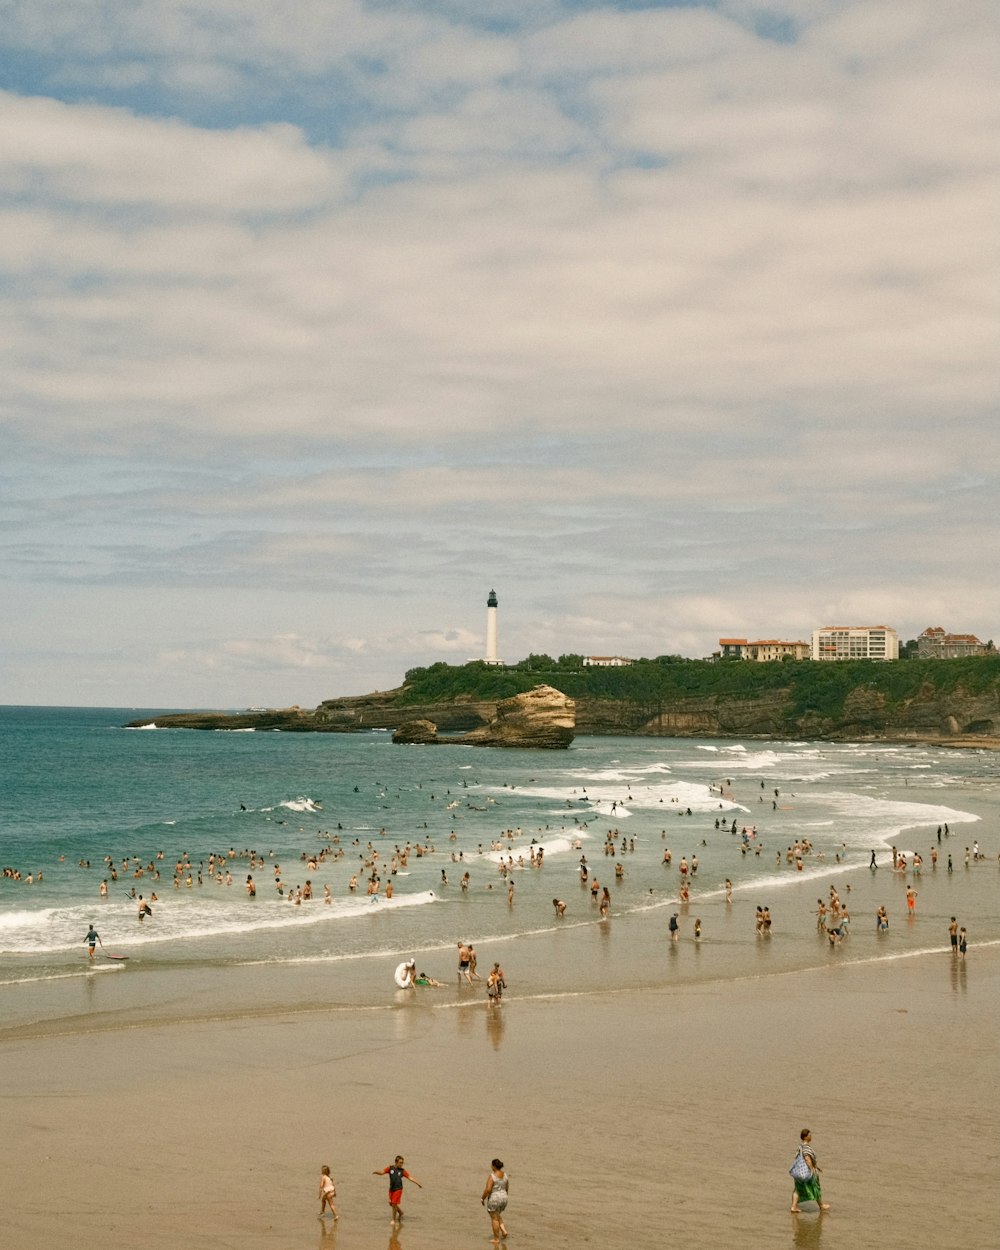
(950, 703)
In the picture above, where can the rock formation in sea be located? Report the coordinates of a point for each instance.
(421, 732)
(540, 718)
(543, 717)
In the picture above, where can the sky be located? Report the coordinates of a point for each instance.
(670, 322)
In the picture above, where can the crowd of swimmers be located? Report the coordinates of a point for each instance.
(377, 867)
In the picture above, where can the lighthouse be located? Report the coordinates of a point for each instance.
(491, 628)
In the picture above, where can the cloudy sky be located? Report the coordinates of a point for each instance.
(668, 321)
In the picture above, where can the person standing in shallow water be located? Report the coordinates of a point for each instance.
(808, 1190)
(494, 1199)
(327, 1193)
(397, 1174)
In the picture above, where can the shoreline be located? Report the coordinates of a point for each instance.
(607, 1108)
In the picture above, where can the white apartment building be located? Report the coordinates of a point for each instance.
(855, 642)
(606, 661)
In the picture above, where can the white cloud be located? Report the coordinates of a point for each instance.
(611, 298)
(87, 155)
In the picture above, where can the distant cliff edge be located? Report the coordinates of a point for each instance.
(953, 702)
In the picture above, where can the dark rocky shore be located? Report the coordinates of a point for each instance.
(933, 715)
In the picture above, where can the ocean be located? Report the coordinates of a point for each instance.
(85, 800)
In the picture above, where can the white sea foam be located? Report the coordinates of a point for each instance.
(86, 969)
(301, 804)
(662, 796)
(879, 823)
(182, 919)
(520, 851)
(742, 759)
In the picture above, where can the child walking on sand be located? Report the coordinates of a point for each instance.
(327, 1193)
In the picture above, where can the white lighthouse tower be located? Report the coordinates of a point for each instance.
(491, 628)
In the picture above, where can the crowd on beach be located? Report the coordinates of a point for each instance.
(373, 863)
(370, 866)
(508, 854)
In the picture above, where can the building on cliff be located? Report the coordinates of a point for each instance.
(606, 661)
(935, 644)
(762, 649)
(855, 642)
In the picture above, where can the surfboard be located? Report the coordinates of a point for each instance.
(107, 956)
(402, 979)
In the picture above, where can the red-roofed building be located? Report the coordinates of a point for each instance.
(935, 644)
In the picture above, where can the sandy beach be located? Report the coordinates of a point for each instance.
(642, 1092)
(632, 1119)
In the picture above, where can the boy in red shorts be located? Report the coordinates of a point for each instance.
(396, 1173)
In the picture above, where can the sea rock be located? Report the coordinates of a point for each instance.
(542, 717)
(419, 731)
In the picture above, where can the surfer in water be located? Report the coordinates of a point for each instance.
(92, 938)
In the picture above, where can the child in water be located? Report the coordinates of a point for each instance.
(327, 1193)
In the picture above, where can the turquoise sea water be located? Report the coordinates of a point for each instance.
(77, 788)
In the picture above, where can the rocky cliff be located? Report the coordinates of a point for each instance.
(953, 716)
(540, 718)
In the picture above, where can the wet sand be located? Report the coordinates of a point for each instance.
(643, 1118)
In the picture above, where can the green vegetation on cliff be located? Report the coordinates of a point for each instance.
(820, 689)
